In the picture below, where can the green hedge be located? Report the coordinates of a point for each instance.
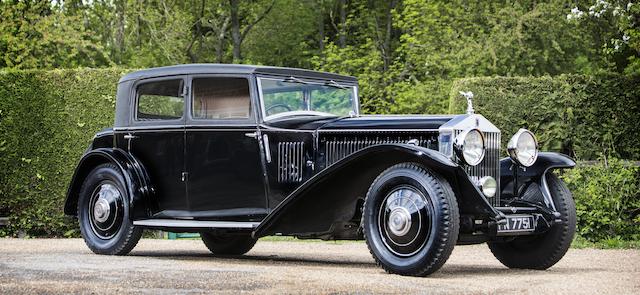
(607, 199)
(47, 119)
(582, 116)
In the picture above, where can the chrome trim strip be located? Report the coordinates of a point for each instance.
(217, 129)
(267, 128)
(195, 223)
(376, 130)
(150, 127)
(181, 128)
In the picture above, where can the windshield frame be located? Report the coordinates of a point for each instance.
(263, 113)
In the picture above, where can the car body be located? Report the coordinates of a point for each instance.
(238, 152)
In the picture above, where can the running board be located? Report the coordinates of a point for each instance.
(195, 223)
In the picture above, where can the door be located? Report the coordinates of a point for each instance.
(156, 139)
(225, 180)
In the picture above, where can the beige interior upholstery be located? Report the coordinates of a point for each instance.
(221, 98)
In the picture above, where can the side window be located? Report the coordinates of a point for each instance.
(160, 100)
(221, 98)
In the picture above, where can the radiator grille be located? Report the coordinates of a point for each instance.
(338, 147)
(290, 162)
(490, 165)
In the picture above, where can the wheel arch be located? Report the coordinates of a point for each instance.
(546, 162)
(332, 195)
(136, 179)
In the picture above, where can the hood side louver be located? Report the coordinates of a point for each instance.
(339, 146)
(290, 162)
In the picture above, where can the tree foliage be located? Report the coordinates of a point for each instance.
(405, 52)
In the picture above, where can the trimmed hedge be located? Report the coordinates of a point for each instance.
(582, 116)
(607, 197)
(47, 119)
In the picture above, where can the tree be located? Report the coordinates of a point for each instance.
(242, 23)
(36, 34)
(617, 24)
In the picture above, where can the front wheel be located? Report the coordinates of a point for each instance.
(544, 250)
(410, 220)
(103, 212)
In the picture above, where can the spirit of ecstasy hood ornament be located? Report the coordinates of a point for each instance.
(469, 96)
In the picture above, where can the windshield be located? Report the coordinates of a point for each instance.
(294, 97)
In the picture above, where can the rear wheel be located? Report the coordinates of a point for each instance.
(410, 220)
(545, 250)
(228, 244)
(103, 212)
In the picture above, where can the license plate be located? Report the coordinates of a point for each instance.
(517, 223)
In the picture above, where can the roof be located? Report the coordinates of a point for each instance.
(232, 69)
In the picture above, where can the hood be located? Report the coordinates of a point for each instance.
(369, 122)
(389, 122)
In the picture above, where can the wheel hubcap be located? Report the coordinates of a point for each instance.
(400, 221)
(105, 210)
(101, 210)
(404, 220)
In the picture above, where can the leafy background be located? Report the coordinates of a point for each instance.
(565, 68)
(47, 119)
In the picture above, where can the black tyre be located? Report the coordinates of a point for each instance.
(228, 244)
(103, 213)
(410, 220)
(545, 250)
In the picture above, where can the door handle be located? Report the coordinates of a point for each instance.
(184, 176)
(130, 136)
(252, 135)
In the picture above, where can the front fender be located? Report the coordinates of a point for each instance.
(536, 174)
(332, 195)
(546, 161)
(136, 178)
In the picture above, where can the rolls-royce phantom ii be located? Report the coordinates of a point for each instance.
(239, 152)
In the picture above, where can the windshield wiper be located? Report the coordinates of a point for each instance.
(335, 84)
(294, 80)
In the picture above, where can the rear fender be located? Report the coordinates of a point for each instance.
(331, 196)
(136, 180)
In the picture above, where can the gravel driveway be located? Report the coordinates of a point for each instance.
(185, 266)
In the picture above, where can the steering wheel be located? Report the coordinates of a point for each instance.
(279, 105)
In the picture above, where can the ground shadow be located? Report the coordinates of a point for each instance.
(263, 259)
(448, 271)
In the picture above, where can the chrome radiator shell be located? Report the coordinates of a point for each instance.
(490, 165)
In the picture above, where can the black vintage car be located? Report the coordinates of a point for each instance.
(238, 152)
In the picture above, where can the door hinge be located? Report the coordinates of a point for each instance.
(185, 176)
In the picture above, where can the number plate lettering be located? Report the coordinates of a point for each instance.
(517, 223)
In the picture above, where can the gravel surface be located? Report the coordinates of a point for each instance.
(185, 266)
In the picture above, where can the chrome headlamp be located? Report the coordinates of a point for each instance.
(523, 148)
(469, 146)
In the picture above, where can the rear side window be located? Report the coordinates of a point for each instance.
(160, 100)
(219, 98)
